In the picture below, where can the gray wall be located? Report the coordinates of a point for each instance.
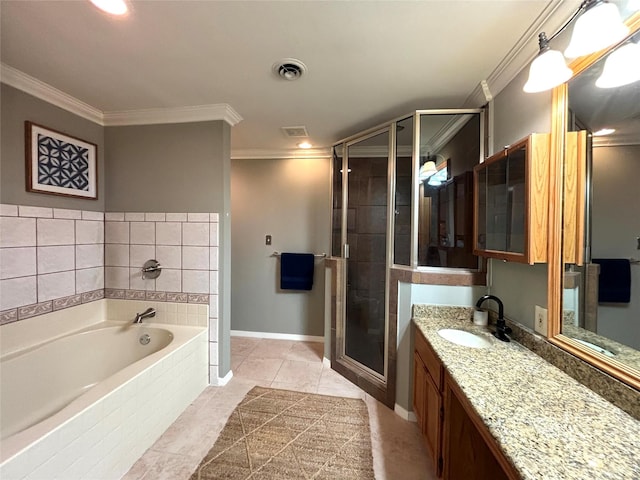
(17, 107)
(166, 168)
(517, 114)
(615, 226)
(288, 199)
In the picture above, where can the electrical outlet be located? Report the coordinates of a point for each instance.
(540, 321)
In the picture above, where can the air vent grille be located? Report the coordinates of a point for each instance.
(296, 132)
(289, 69)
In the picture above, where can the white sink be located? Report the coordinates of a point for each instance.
(466, 339)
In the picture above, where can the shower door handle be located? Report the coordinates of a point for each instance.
(346, 250)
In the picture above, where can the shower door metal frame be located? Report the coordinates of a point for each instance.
(382, 387)
(361, 370)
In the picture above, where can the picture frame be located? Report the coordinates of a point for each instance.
(60, 164)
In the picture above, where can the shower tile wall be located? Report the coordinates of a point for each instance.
(50, 259)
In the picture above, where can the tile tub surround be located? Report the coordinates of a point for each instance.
(547, 424)
(185, 244)
(50, 259)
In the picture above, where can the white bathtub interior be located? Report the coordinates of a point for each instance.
(102, 433)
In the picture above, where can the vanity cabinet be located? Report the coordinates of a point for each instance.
(427, 397)
(459, 444)
(511, 197)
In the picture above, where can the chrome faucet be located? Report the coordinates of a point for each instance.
(501, 325)
(148, 313)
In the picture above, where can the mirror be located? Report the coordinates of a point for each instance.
(600, 276)
(450, 146)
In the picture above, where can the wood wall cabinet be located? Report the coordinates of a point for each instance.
(511, 197)
(459, 444)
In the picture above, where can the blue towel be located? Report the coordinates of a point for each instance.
(296, 271)
(614, 282)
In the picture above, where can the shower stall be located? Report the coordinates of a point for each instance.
(400, 200)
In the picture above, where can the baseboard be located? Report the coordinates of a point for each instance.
(222, 381)
(326, 362)
(404, 413)
(277, 336)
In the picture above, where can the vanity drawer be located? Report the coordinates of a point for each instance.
(429, 358)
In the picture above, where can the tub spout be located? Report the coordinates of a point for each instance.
(148, 313)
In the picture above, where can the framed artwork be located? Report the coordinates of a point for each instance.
(59, 164)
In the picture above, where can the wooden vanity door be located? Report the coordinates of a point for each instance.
(466, 449)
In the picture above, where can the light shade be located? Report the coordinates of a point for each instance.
(114, 7)
(621, 67)
(426, 170)
(599, 26)
(547, 70)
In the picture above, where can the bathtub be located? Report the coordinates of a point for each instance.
(88, 404)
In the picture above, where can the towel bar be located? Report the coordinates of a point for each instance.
(633, 261)
(317, 255)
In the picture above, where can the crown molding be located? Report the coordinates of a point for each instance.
(39, 89)
(154, 116)
(281, 154)
(28, 84)
(551, 19)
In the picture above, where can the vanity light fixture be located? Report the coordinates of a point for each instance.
(598, 26)
(305, 145)
(114, 7)
(622, 67)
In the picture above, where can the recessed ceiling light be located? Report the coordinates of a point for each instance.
(604, 131)
(114, 7)
(305, 145)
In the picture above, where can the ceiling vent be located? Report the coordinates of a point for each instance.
(289, 69)
(296, 132)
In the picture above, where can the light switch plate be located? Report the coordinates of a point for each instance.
(540, 320)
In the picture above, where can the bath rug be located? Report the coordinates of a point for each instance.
(281, 435)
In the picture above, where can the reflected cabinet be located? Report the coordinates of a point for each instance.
(511, 201)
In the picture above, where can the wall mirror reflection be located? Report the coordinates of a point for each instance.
(449, 148)
(601, 284)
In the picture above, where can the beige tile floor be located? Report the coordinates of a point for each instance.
(398, 452)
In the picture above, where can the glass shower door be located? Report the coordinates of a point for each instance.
(365, 329)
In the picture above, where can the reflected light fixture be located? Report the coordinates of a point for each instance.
(622, 67)
(598, 26)
(604, 131)
(114, 7)
(426, 170)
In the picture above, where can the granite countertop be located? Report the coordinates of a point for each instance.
(547, 424)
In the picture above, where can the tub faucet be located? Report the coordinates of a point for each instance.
(148, 313)
(501, 325)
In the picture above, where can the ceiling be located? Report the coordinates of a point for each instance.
(368, 62)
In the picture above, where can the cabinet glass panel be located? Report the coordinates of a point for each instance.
(481, 221)
(516, 201)
(336, 226)
(497, 205)
(403, 197)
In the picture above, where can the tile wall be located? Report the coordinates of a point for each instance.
(52, 259)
